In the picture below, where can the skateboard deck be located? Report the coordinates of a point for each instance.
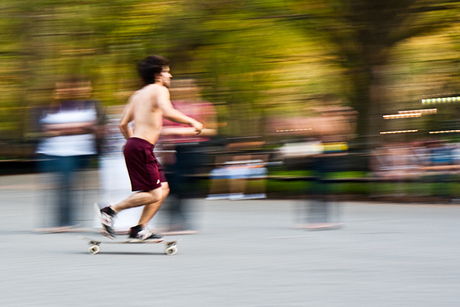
(170, 246)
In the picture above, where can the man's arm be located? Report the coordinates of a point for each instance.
(127, 117)
(186, 131)
(174, 115)
(208, 119)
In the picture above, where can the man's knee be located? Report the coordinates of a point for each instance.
(164, 189)
(156, 194)
(165, 192)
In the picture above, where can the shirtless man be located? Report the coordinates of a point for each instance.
(146, 107)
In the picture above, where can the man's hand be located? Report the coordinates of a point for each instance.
(198, 126)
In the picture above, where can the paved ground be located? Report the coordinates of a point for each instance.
(247, 253)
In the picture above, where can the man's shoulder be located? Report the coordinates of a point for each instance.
(155, 91)
(154, 88)
(150, 90)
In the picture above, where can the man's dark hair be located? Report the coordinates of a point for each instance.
(150, 67)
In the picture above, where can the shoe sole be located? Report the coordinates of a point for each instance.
(104, 231)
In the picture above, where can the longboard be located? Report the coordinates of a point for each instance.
(170, 246)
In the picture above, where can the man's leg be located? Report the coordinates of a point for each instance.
(152, 208)
(149, 199)
(138, 199)
(67, 167)
(140, 232)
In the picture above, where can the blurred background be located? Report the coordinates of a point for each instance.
(321, 112)
(360, 95)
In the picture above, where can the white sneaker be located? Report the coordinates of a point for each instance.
(145, 235)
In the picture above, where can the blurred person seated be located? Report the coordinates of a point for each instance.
(397, 163)
(238, 177)
(70, 129)
(442, 158)
(441, 166)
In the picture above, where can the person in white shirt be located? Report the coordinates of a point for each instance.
(69, 127)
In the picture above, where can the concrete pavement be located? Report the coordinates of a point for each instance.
(246, 253)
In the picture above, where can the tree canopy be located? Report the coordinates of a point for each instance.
(254, 59)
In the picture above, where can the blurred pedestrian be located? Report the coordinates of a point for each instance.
(334, 125)
(186, 152)
(70, 129)
(146, 108)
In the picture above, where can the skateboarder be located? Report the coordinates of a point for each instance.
(146, 107)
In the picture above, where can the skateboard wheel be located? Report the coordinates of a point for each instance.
(93, 250)
(171, 250)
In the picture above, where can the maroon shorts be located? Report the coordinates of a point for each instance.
(144, 170)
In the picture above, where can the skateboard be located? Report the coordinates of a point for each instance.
(170, 246)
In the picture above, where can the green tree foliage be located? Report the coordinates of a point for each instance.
(255, 59)
(364, 33)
